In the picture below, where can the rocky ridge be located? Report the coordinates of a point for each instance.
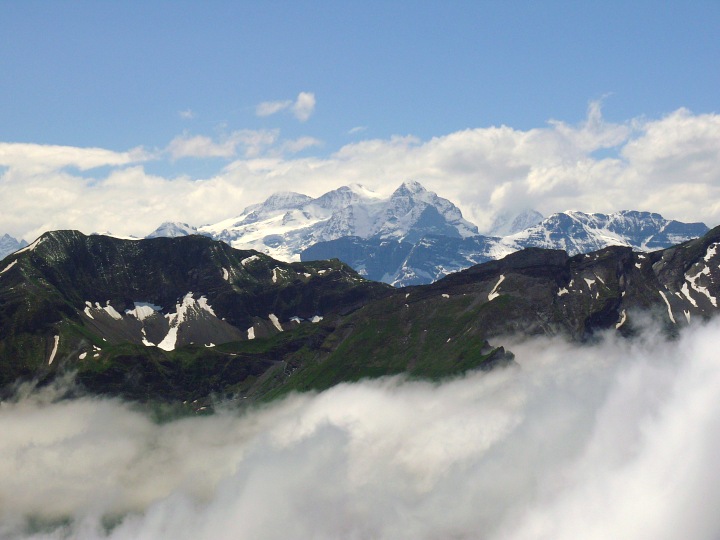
(189, 317)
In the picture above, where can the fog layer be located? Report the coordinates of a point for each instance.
(617, 440)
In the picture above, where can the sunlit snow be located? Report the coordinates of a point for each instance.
(9, 266)
(143, 310)
(31, 247)
(249, 260)
(276, 323)
(667, 303)
(183, 309)
(623, 318)
(54, 351)
(494, 294)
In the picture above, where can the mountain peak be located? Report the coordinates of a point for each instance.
(581, 232)
(507, 223)
(344, 196)
(173, 229)
(409, 187)
(285, 200)
(9, 245)
(362, 191)
(287, 223)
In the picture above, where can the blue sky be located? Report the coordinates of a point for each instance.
(116, 74)
(124, 75)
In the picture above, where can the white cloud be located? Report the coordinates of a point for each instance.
(36, 158)
(357, 129)
(302, 108)
(616, 440)
(298, 145)
(187, 114)
(128, 201)
(200, 146)
(669, 165)
(554, 168)
(267, 108)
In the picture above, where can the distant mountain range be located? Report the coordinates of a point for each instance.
(190, 319)
(416, 237)
(173, 230)
(8, 245)
(287, 223)
(507, 223)
(433, 257)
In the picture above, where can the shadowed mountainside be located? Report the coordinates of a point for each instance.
(184, 318)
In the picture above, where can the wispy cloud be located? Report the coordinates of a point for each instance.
(298, 145)
(302, 108)
(200, 146)
(267, 108)
(251, 143)
(187, 114)
(357, 129)
(33, 158)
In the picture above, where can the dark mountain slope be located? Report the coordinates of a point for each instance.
(99, 298)
(181, 318)
(449, 326)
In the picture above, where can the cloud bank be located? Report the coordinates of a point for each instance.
(613, 441)
(669, 165)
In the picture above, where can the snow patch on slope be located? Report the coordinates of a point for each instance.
(494, 294)
(667, 303)
(112, 311)
(249, 260)
(91, 309)
(31, 247)
(9, 266)
(693, 280)
(143, 310)
(276, 323)
(54, 351)
(183, 311)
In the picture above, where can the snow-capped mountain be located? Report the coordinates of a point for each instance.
(507, 223)
(578, 232)
(415, 237)
(287, 223)
(575, 232)
(403, 263)
(9, 245)
(173, 229)
(435, 256)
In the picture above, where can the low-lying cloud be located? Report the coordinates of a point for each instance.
(617, 440)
